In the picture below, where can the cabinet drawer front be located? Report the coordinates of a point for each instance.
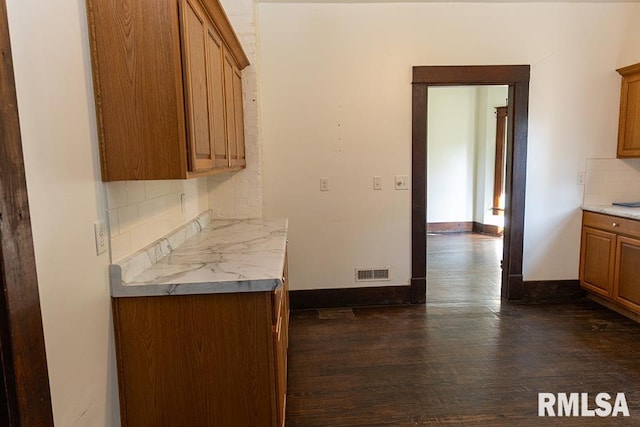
(612, 224)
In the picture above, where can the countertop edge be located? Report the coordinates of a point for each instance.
(206, 288)
(619, 211)
(269, 280)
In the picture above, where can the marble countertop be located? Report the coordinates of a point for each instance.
(206, 256)
(621, 211)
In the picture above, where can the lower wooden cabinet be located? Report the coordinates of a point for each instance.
(626, 289)
(610, 259)
(598, 252)
(203, 360)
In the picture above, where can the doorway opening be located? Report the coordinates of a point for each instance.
(465, 192)
(516, 78)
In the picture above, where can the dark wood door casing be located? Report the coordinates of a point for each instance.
(498, 169)
(517, 78)
(26, 399)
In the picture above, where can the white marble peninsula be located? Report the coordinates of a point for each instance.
(206, 256)
(201, 320)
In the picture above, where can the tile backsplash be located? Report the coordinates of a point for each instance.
(611, 180)
(143, 211)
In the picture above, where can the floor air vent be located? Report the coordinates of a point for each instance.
(372, 274)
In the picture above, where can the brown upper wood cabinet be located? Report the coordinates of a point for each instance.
(629, 125)
(168, 88)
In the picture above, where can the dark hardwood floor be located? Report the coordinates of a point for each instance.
(463, 267)
(458, 360)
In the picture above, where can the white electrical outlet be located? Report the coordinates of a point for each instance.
(377, 183)
(100, 232)
(580, 180)
(324, 184)
(401, 182)
(183, 202)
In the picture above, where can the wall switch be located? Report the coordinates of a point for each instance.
(401, 182)
(377, 183)
(324, 184)
(100, 231)
(580, 180)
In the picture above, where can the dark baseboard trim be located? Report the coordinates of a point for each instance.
(543, 291)
(350, 297)
(488, 229)
(418, 290)
(450, 227)
(532, 292)
(513, 289)
(464, 227)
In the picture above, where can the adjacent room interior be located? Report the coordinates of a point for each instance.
(466, 143)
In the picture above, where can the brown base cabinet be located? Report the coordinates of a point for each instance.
(203, 360)
(610, 259)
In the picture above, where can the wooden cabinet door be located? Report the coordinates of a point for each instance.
(230, 112)
(597, 257)
(240, 159)
(626, 289)
(280, 347)
(216, 98)
(234, 111)
(629, 124)
(194, 44)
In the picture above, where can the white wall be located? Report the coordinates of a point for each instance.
(336, 101)
(451, 153)
(55, 104)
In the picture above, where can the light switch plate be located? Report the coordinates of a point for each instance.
(377, 183)
(100, 232)
(401, 182)
(324, 184)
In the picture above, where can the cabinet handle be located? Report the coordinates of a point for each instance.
(615, 224)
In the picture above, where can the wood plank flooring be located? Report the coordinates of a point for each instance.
(457, 361)
(463, 267)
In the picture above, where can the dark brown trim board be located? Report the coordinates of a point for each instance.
(349, 297)
(488, 229)
(464, 227)
(26, 399)
(517, 78)
(419, 194)
(498, 164)
(544, 291)
(450, 227)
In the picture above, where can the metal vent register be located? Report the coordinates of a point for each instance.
(372, 274)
